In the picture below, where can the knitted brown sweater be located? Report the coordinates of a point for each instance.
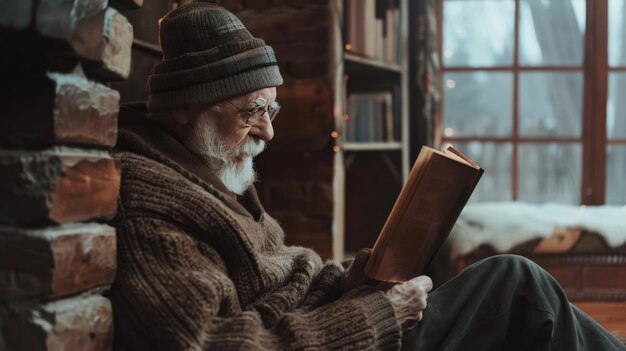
(198, 270)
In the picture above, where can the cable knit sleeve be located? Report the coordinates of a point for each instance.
(173, 293)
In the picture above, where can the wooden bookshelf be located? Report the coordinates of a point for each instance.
(368, 175)
(372, 146)
(361, 71)
(369, 65)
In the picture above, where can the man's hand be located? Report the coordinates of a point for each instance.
(354, 276)
(409, 300)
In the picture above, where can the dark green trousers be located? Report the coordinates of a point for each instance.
(505, 302)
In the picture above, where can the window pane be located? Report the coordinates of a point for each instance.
(495, 159)
(549, 173)
(551, 32)
(616, 106)
(617, 28)
(616, 175)
(477, 103)
(478, 33)
(550, 104)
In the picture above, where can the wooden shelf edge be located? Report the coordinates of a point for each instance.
(382, 65)
(372, 146)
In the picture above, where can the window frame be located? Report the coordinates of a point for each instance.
(595, 70)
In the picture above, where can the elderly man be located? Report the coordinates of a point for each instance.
(203, 266)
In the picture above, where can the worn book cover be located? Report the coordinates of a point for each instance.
(438, 187)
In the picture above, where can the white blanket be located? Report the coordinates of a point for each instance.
(504, 225)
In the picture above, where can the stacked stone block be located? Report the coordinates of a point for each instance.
(58, 182)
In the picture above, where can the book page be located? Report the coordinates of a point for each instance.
(450, 151)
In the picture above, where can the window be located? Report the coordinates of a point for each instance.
(522, 99)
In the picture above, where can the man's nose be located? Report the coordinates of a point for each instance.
(263, 129)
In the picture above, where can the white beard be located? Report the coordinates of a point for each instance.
(232, 164)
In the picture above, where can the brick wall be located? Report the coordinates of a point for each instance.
(57, 179)
(296, 172)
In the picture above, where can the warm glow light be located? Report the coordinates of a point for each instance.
(345, 116)
(447, 53)
(334, 134)
(346, 77)
(450, 83)
(348, 46)
(336, 148)
(448, 132)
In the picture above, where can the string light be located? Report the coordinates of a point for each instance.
(348, 46)
(334, 134)
(345, 116)
(336, 148)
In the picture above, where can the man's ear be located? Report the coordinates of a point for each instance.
(181, 116)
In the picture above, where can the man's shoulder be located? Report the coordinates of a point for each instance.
(133, 149)
(132, 144)
(139, 167)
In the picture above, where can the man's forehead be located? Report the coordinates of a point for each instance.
(259, 97)
(259, 101)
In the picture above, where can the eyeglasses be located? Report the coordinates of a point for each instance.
(254, 115)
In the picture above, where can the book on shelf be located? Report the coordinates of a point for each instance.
(438, 187)
(373, 29)
(370, 118)
(396, 111)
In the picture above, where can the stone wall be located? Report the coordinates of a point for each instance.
(58, 182)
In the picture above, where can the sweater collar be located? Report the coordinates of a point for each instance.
(140, 135)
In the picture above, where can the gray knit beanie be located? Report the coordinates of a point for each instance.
(208, 56)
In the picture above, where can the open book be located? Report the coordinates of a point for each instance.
(429, 204)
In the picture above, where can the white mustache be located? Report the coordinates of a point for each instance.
(252, 146)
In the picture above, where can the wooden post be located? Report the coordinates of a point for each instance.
(98, 35)
(79, 323)
(58, 185)
(59, 108)
(59, 260)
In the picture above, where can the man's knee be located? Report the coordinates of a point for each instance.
(510, 259)
(508, 265)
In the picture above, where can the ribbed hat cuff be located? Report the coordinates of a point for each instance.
(215, 91)
(186, 76)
